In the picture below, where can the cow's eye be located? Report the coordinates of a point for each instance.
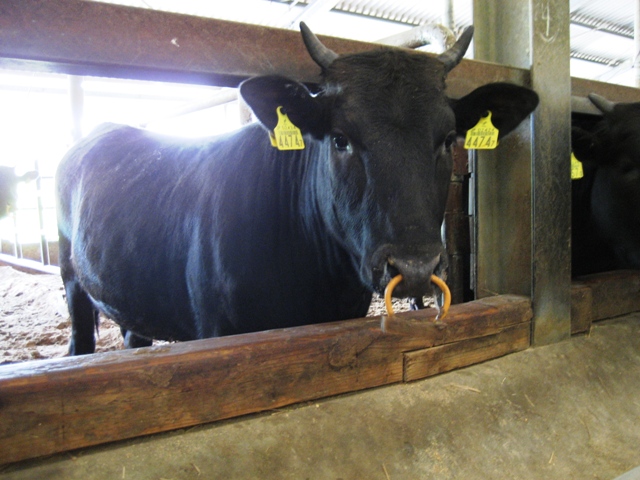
(341, 143)
(450, 140)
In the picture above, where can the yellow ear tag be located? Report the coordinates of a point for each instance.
(484, 136)
(286, 136)
(576, 168)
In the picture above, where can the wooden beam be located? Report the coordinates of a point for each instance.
(581, 302)
(57, 405)
(615, 93)
(99, 39)
(93, 38)
(603, 295)
(431, 361)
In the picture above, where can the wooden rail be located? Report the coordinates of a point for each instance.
(603, 295)
(51, 406)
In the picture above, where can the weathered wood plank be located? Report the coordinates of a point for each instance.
(581, 87)
(612, 293)
(581, 301)
(431, 361)
(94, 38)
(56, 405)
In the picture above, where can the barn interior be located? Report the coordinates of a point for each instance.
(535, 375)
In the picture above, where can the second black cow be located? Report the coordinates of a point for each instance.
(606, 201)
(185, 239)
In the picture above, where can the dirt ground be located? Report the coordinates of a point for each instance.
(34, 321)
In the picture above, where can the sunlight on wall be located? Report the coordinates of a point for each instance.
(36, 126)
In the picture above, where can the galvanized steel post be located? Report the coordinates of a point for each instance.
(551, 179)
(534, 230)
(503, 176)
(635, 58)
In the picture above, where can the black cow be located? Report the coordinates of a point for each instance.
(9, 188)
(185, 239)
(606, 201)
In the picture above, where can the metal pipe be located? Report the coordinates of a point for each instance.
(314, 7)
(430, 34)
(44, 244)
(448, 19)
(76, 100)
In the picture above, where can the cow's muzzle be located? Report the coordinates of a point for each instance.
(416, 270)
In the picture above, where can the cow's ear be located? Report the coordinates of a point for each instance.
(509, 104)
(265, 94)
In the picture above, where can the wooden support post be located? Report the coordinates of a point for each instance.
(457, 230)
(57, 405)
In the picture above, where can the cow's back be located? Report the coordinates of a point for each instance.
(191, 239)
(130, 206)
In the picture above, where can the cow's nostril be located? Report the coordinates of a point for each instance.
(390, 268)
(416, 273)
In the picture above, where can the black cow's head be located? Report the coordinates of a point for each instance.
(9, 188)
(611, 155)
(388, 129)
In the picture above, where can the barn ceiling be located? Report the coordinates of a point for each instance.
(602, 31)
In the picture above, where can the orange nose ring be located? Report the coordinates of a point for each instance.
(437, 280)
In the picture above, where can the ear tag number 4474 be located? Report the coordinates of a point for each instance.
(286, 136)
(484, 136)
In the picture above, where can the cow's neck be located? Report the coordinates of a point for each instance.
(333, 264)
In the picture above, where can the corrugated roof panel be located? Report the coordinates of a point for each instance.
(414, 12)
(619, 12)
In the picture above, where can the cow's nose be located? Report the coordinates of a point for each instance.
(416, 274)
(416, 269)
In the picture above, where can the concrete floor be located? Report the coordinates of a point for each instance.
(565, 411)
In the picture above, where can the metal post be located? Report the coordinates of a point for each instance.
(448, 18)
(44, 244)
(524, 201)
(551, 179)
(636, 36)
(76, 102)
(503, 176)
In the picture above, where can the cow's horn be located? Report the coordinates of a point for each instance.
(320, 54)
(601, 103)
(452, 57)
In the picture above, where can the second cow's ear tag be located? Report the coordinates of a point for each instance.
(576, 168)
(286, 136)
(484, 136)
